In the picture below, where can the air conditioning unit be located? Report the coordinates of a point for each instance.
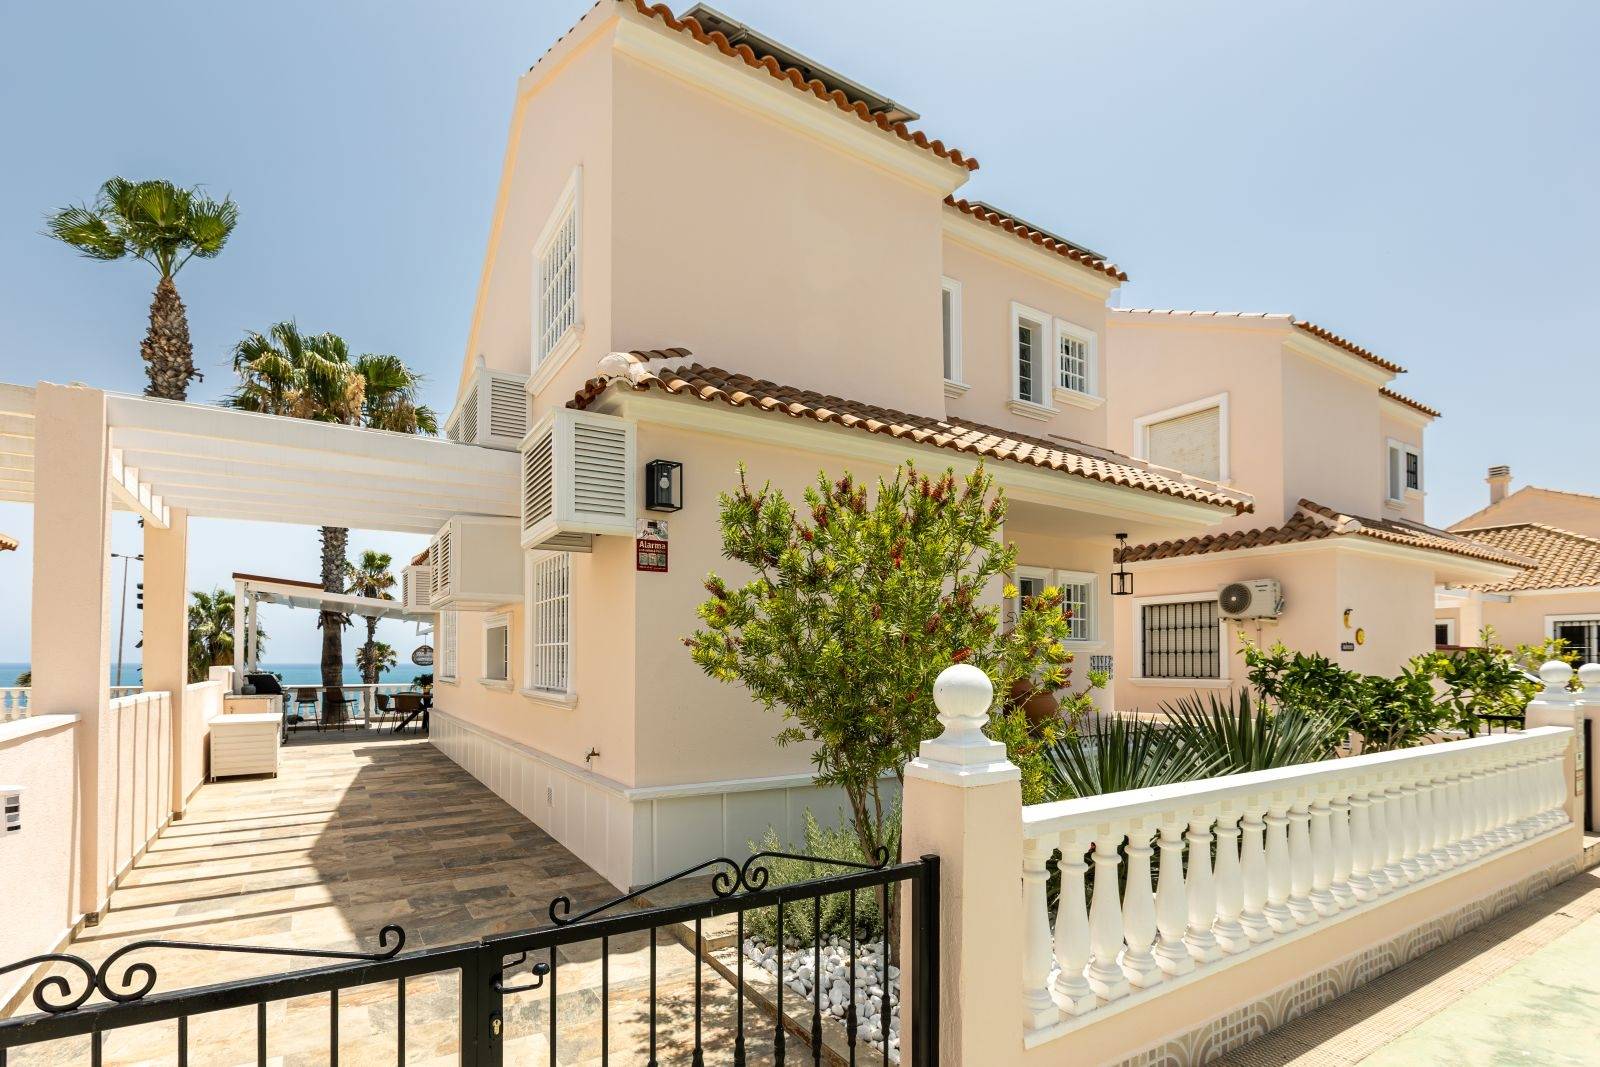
(416, 586)
(1255, 598)
(491, 412)
(474, 564)
(577, 480)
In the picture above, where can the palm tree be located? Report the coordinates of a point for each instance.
(211, 632)
(166, 227)
(374, 658)
(370, 578)
(285, 372)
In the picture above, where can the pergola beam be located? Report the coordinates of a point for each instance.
(134, 494)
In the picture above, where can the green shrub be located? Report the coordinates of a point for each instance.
(826, 843)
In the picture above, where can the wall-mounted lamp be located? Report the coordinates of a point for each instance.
(1121, 578)
(663, 481)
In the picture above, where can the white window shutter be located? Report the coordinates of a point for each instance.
(1190, 443)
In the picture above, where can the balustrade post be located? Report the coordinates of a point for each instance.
(1173, 901)
(1446, 809)
(1300, 865)
(1072, 930)
(1229, 932)
(1339, 831)
(1139, 914)
(1496, 794)
(1361, 850)
(1253, 867)
(1279, 877)
(1524, 801)
(1394, 816)
(1038, 1010)
(1426, 827)
(1322, 857)
(1479, 778)
(1104, 973)
(1410, 836)
(1378, 801)
(1202, 892)
(1556, 787)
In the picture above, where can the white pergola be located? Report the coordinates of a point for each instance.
(220, 463)
(252, 590)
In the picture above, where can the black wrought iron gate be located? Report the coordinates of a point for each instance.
(493, 972)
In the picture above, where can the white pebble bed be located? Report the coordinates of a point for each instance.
(871, 982)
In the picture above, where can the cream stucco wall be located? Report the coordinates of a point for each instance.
(1391, 600)
(1526, 619)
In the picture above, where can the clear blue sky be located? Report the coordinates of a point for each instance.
(1416, 176)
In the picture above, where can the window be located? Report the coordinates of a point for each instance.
(1030, 356)
(950, 299)
(497, 648)
(1444, 632)
(447, 646)
(555, 259)
(1582, 635)
(1074, 358)
(1180, 639)
(1077, 597)
(1192, 438)
(549, 603)
(1405, 471)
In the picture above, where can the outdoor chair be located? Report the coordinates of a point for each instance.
(383, 705)
(335, 710)
(408, 708)
(305, 697)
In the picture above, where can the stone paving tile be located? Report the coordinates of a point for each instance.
(355, 833)
(1450, 1006)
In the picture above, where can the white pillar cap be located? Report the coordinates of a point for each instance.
(962, 755)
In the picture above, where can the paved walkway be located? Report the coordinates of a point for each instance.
(1522, 989)
(357, 831)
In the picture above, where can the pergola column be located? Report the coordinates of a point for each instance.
(239, 595)
(166, 630)
(71, 640)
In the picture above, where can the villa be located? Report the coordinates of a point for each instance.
(708, 251)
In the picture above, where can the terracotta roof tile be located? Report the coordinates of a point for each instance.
(1563, 559)
(711, 384)
(1314, 522)
(1012, 226)
(7, 544)
(420, 558)
(690, 26)
(1311, 328)
(1401, 398)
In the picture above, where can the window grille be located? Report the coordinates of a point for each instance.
(558, 284)
(1026, 337)
(1077, 599)
(1181, 640)
(1581, 636)
(549, 618)
(1074, 363)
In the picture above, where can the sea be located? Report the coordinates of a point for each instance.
(293, 673)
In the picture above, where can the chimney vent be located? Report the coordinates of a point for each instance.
(1499, 482)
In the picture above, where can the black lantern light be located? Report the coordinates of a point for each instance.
(663, 490)
(1121, 578)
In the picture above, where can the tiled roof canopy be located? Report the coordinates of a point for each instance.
(7, 544)
(690, 27)
(1311, 328)
(1417, 405)
(1563, 559)
(987, 214)
(1314, 522)
(714, 385)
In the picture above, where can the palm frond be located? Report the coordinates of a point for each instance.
(1113, 754)
(1235, 735)
(87, 230)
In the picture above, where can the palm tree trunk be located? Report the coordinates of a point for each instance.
(335, 540)
(166, 351)
(372, 639)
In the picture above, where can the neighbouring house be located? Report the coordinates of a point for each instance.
(696, 260)
(1559, 596)
(1334, 559)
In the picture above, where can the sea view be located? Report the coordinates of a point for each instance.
(293, 673)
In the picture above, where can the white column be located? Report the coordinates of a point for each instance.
(1322, 857)
(1173, 904)
(1038, 1010)
(238, 629)
(1279, 876)
(1253, 868)
(1300, 865)
(1072, 930)
(250, 660)
(1139, 914)
(1202, 886)
(1230, 934)
(1105, 922)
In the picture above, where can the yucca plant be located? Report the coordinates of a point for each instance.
(1233, 734)
(1114, 753)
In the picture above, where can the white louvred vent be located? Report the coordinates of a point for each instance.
(492, 411)
(476, 564)
(416, 586)
(577, 480)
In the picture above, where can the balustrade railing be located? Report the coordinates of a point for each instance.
(14, 699)
(1244, 861)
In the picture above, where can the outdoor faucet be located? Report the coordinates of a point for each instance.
(593, 752)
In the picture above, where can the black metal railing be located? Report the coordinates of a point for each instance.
(493, 969)
(1506, 723)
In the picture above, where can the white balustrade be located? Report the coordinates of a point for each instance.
(1294, 847)
(13, 702)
